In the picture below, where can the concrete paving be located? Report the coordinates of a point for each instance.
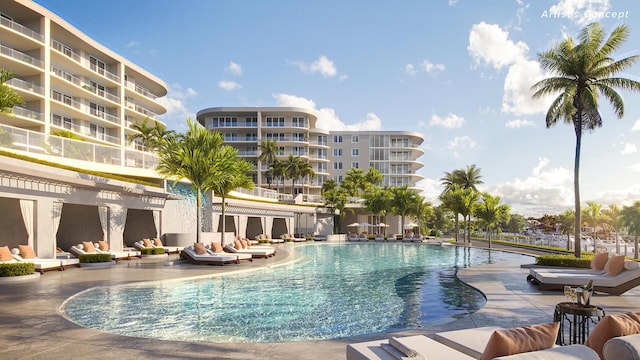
(32, 328)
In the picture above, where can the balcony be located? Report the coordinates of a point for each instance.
(83, 108)
(21, 29)
(28, 59)
(67, 51)
(140, 109)
(24, 85)
(85, 85)
(140, 90)
(20, 111)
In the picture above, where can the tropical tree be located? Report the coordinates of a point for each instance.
(579, 74)
(423, 212)
(490, 212)
(631, 219)
(403, 200)
(464, 179)
(566, 219)
(611, 217)
(335, 198)
(232, 173)
(8, 97)
(516, 223)
(373, 177)
(592, 216)
(268, 155)
(306, 171)
(149, 136)
(194, 156)
(469, 199)
(293, 170)
(454, 202)
(278, 171)
(354, 182)
(377, 201)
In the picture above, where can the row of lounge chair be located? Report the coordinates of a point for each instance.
(216, 254)
(381, 238)
(24, 253)
(156, 243)
(102, 247)
(615, 337)
(610, 274)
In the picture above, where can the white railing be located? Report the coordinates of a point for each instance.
(85, 85)
(140, 90)
(21, 56)
(261, 192)
(21, 29)
(24, 85)
(83, 108)
(20, 111)
(67, 51)
(140, 109)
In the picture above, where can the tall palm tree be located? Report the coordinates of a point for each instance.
(306, 171)
(613, 220)
(464, 179)
(293, 170)
(232, 173)
(149, 136)
(354, 181)
(377, 201)
(452, 199)
(8, 97)
(403, 200)
(469, 199)
(491, 212)
(567, 222)
(468, 178)
(335, 198)
(268, 155)
(631, 219)
(193, 156)
(580, 73)
(592, 216)
(423, 212)
(279, 171)
(373, 177)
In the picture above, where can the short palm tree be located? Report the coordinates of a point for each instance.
(491, 212)
(354, 182)
(580, 73)
(268, 155)
(403, 200)
(293, 170)
(8, 97)
(453, 201)
(631, 219)
(193, 156)
(377, 201)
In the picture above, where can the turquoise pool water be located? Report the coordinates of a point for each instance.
(335, 291)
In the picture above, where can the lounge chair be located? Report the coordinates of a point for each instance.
(607, 282)
(216, 248)
(379, 237)
(353, 237)
(417, 238)
(319, 237)
(408, 238)
(101, 247)
(25, 253)
(156, 243)
(204, 257)
(246, 244)
(237, 248)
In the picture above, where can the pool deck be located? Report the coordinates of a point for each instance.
(32, 328)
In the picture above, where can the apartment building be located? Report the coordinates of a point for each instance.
(71, 83)
(394, 153)
(331, 153)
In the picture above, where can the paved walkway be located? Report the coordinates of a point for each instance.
(31, 328)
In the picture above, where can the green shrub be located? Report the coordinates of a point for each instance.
(263, 241)
(152, 251)
(288, 240)
(94, 258)
(564, 261)
(17, 269)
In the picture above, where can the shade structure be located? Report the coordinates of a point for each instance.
(383, 225)
(353, 225)
(365, 224)
(410, 225)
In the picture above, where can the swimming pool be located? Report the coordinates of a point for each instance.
(335, 291)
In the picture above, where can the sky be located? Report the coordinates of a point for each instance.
(457, 71)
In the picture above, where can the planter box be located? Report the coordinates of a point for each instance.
(15, 279)
(97, 265)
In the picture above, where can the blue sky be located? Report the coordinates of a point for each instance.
(458, 72)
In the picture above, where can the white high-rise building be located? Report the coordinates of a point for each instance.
(72, 84)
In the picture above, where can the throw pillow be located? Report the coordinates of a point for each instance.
(598, 262)
(26, 252)
(87, 246)
(147, 243)
(237, 245)
(157, 242)
(5, 254)
(614, 265)
(613, 326)
(631, 265)
(102, 245)
(200, 249)
(217, 248)
(519, 340)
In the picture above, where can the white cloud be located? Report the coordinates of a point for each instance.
(629, 149)
(635, 167)
(519, 123)
(622, 197)
(234, 68)
(461, 142)
(177, 111)
(426, 66)
(451, 121)
(581, 11)
(327, 117)
(228, 85)
(545, 191)
(323, 65)
(489, 45)
(132, 43)
(431, 189)
(452, 2)
(636, 126)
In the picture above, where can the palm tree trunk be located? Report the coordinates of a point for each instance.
(457, 226)
(198, 214)
(224, 220)
(577, 123)
(489, 233)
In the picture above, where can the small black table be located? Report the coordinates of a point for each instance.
(578, 318)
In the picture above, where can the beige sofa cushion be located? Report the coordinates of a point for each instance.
(615, 265)
(5, 254)
(569, 352)
(520, 340)
(622, 348)
(199, 248)
(26, 252)
(599, 261)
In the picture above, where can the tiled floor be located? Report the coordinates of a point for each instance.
(31, 328)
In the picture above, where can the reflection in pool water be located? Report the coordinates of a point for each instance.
(336, 291)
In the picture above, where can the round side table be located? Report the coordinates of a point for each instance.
(576, 319)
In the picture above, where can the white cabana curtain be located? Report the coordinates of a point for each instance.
(216, 222)
(242, 225)
(56, 215)
(26, 207)
(268, 220)
(289, 222)
(103, 212)
(156, 221)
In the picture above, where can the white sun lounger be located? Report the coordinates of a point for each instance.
(210, 258)
(255, 252)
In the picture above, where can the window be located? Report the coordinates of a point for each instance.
(337, 178)
(322, 140)
(355, 139)
(251, 136)
(231, 136)
(355, 152)
(225, 121)
(298, 122)
(337, 152)
(337, 138)
(355, 165)
(97, 88)
(298, 150)
(280, 151)
(97, 110)
(97, 65)
(337, 166)
(275, 122)
(251, 121)
(97, 131)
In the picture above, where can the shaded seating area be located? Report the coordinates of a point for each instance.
(101, 247)
(239, 248)
(24, 253)
(198, 254)
(610, 274)
(156, 243)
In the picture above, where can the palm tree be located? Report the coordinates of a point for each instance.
(613, 219)
(465, 179)
(293, 170)
(468, 178)
(8, 97)
(149, 136)
(452, 199)
(567, 221)
(580, 73)
(423, 213)
(232, 173)
(403, 200)
(592, 216)
(373, 177)
(278, 171)
(631, 219)
(193, 156)
(354, 182)
(335, 198)
(268, 155)
(469, 199)
(491, 212)
(377, 201)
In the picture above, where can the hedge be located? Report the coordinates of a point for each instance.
(152, 251)
(564, 261)
(94, 258)
(17, 269)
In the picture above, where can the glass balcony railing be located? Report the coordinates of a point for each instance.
(21, 29)
(5, 50)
